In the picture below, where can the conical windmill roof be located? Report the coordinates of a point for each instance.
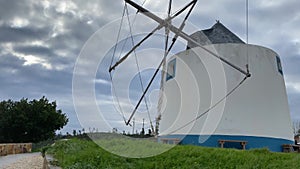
(218, 33)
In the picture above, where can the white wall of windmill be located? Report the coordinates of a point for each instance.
(258, 107)
(174, 113)
(191, 93)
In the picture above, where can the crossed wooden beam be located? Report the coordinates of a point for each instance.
(166, 23)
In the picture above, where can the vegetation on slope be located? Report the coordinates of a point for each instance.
(76, 153)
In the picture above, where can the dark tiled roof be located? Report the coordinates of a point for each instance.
(216, 34)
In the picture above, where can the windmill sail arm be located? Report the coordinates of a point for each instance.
(184, 8)
(181, 26)
(145, 11)
(184, 35)
(133, 48)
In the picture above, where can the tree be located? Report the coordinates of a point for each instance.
(30, 121)
(143, 131)
(296, 127)
(74, 133)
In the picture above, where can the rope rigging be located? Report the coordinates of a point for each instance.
(127, 37)
(118, 37)
(125, 11)
(110, 75)
(138, 69)
(247, 33)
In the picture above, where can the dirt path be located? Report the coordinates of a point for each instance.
(22, 161)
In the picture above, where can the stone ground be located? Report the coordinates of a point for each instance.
(22, 161)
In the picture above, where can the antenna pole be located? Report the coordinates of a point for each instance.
(133, 125)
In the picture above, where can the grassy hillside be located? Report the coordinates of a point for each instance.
(83, 154)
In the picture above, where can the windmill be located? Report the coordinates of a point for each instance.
(239, 58)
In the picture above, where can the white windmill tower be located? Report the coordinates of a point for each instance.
(254, 111)
(220, 91)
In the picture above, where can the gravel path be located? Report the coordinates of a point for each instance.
(22, 161)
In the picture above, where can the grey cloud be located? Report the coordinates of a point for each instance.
(294, 103)
(9, 61)
(9, 8)
(291, 65)
(34, 50)
(11, 34)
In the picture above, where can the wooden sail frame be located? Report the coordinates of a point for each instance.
(166, 23)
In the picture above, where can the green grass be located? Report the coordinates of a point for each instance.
(84, 154)
(127, 146)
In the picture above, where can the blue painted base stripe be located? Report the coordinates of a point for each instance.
(273, 144)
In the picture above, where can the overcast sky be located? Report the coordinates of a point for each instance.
(41, 40)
